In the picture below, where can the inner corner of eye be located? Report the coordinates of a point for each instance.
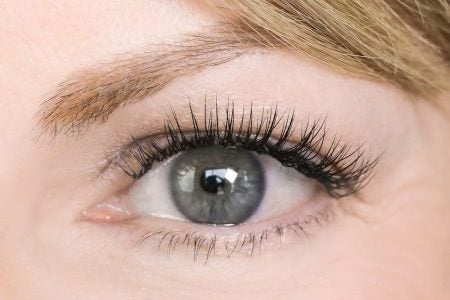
(113, 209)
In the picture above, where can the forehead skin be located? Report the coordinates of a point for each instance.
(395, 247)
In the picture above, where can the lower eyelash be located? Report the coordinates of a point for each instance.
(204, 246)
(341, 170)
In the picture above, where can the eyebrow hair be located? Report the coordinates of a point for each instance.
(91, 95)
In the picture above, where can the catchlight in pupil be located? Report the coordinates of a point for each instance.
(217, 185)
(215, 180)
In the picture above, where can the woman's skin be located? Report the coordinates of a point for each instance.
(389, 241)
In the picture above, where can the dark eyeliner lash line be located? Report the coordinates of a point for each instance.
(341, 169)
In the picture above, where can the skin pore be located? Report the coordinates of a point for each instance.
(391, 240)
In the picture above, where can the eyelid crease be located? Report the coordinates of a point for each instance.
(342, 169)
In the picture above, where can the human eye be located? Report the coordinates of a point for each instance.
(225, 182)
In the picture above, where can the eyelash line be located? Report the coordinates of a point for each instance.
(341, 170)
(247, 244)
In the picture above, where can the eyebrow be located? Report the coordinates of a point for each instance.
(91, 95)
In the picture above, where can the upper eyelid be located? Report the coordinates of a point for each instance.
(346, 161)
(122, 147)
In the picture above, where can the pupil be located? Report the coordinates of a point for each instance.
(212, 183)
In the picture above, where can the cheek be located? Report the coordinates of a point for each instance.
(377, 254)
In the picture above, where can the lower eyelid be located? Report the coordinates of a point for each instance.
(204, 242)
(201, 243)
(254, 236)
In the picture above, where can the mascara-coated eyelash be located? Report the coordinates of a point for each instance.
(341, 169)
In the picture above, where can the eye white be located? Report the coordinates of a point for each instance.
(286, 188)
(150, 195)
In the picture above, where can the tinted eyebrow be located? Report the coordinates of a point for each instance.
(91, 95)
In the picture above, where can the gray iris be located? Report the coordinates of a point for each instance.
(217, 185)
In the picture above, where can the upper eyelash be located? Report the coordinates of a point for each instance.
(340, 168)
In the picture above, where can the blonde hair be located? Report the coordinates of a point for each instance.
(404, 42)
